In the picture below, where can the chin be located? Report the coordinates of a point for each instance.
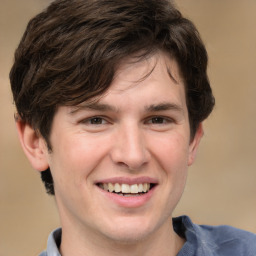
(131, 237)
(129, 232)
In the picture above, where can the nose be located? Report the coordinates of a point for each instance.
(129, 148)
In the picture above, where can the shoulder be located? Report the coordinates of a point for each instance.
(43, 253)
(224, 240)
(53, 244)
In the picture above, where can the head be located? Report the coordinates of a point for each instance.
(71, 52)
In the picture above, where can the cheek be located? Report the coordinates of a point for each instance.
(172, 152)
(171, 161)
(74, 158)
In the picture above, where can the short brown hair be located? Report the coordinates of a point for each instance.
(69, 53)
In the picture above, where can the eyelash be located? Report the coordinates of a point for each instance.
(164, 120)
(154, 120)
(89, 121)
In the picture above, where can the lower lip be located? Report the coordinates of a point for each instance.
(129, 201)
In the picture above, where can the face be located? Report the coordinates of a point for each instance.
(120, 163)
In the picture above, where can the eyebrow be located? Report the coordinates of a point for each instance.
(163, 107)
(93, 106)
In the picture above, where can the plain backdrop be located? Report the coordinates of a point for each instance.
(221, 187)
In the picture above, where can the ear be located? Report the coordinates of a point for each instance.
(33, 145)
(194, 144)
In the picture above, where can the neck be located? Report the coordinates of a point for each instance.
(164, 242)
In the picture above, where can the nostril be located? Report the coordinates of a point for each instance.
(129, 150)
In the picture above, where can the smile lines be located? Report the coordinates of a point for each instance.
(124, 189)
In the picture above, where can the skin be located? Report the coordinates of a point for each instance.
(137, 131)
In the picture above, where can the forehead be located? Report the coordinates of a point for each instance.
(157, 76)
(134, 70)
(153, 81)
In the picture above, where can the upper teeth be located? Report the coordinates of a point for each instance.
(125, 188)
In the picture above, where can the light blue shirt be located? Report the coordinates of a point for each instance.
(201, 240)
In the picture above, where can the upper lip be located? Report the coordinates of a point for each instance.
(128, 180)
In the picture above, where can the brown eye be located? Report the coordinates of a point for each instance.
(158, 120)
(96, 120)
(95, 124)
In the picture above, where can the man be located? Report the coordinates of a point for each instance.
(111, 96)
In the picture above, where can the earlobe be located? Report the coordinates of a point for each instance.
(33, 146)
(193, 147)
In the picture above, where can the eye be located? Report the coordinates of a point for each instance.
(95, 124)
(159, 120)
(94, 121)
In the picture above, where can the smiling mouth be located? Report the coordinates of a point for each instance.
(125, 189)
